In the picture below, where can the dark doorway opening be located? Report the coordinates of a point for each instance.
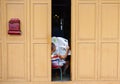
(61, 27)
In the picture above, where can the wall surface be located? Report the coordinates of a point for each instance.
(95, 27)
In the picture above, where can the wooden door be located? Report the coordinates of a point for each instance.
(15, 59)
(86, 39)
(97, 41)
(41, 40)
(25, 57)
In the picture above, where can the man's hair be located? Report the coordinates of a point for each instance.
(52, 46)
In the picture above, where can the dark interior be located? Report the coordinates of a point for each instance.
(61, 27)
(62, 8)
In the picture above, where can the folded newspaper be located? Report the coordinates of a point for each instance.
(61, 44)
